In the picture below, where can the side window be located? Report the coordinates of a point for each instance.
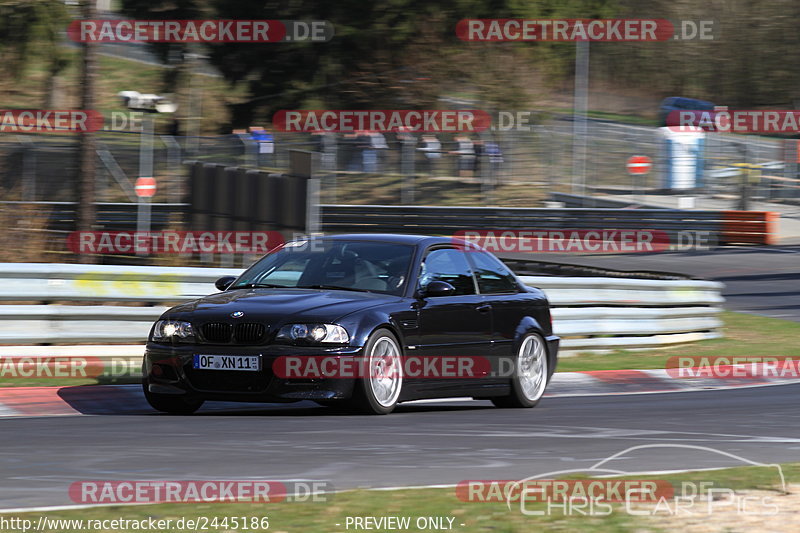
(493, 276)
(450, 265)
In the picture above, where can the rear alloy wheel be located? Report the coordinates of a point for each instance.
(174, 405)
(377, 392)
(530, 374)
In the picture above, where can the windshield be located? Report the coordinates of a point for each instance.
(335, 264)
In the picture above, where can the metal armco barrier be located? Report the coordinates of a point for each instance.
(599, 313)
(590, 313)
(722, 227)
(111, 216)
(577, 200)
(52, 282)
(736, 227)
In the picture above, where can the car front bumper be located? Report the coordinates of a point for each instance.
(168, 370)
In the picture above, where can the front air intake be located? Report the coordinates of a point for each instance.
(217, 332)
(249, 333)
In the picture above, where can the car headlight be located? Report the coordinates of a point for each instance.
(172, 329)
(314, 333)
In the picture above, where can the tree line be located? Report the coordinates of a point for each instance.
(405, 54)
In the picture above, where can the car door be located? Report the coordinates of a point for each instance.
(459, 325)
(499, 289)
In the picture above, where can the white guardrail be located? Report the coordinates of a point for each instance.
(589, 313)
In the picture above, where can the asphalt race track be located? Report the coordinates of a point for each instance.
(420, 444)
(437, 442)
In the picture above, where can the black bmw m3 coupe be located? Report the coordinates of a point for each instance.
(359, 321)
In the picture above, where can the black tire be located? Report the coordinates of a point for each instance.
(174, 405)
(518, 397)
(364, 398)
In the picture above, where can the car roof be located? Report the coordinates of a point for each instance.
(684, 100)
(397, 238)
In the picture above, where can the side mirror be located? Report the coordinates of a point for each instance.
(438, 288)
(224, 282)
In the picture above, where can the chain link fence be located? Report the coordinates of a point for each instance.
(44, 168)
(513, 168)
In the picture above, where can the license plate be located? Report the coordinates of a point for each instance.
(250, 363)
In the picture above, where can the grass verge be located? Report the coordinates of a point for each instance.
(744, 335)
(332, 514)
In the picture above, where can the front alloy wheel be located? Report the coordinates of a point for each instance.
(378, 391)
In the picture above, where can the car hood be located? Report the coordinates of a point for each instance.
(278, 306)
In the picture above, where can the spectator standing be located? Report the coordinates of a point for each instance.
(378, 145)
(432, 149)
(465, 150)
(266, 145)
(369, 156)
(495, 156)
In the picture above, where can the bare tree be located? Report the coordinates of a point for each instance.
(87, 144)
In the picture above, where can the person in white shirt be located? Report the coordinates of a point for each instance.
(432, 149)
